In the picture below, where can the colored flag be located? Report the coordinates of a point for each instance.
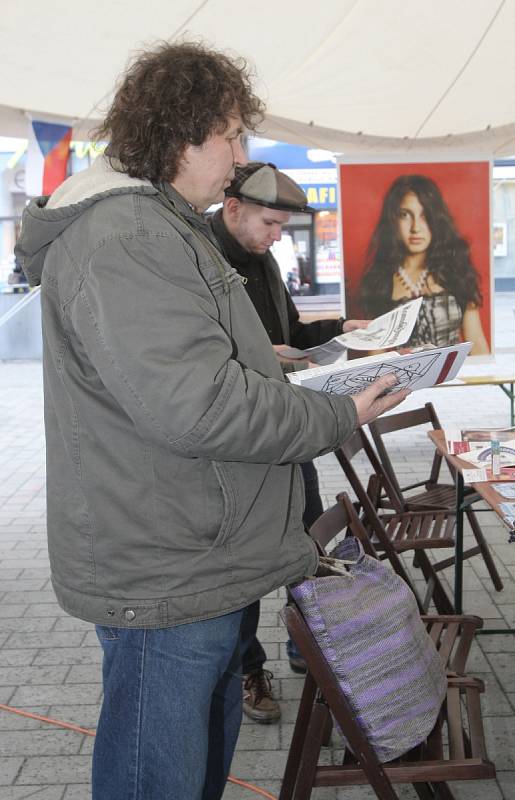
(47, 157)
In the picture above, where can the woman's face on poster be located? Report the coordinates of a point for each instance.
(412, 227)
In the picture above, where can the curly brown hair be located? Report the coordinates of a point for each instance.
(172, 96)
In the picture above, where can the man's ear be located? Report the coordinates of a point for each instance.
(232, 208)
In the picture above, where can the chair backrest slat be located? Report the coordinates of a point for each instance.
(330, 524)
(357, 443)
(401, 421)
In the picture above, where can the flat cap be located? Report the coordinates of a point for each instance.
(265, 185)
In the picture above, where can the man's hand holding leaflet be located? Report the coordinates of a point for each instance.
(389, 330)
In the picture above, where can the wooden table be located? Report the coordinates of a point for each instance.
(486, 491)
(505, 382)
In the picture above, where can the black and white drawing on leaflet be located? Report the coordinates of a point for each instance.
(406, 373)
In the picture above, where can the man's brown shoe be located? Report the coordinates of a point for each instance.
(258, 701)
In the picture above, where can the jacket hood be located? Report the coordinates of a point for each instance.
(45, 218)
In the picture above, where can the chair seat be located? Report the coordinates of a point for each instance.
(440, 495)
(420, 531)
(448, 754)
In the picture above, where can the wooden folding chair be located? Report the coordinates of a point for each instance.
(427, 766)
(455, 749)
(400, 531)
(435, 493)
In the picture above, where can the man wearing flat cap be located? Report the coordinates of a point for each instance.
(258, 202)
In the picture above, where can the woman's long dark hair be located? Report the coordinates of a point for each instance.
(447, 257)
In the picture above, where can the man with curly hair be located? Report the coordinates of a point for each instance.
(173, 495)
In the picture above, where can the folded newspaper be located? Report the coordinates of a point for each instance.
(416, 370)
(392, 329)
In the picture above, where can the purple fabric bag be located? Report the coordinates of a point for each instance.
(367, 624)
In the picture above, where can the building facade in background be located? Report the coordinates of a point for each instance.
(503, 233)
(13, 197)
(311, 239)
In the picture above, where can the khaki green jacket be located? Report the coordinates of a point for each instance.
(172, 437)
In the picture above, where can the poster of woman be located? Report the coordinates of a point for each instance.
(420, 229)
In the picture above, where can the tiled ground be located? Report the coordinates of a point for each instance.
(50, 663)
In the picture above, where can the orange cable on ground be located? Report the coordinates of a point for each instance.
(252, 788)
(88, 732)
(57, 722)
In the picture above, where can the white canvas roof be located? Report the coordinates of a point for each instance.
(348, 75)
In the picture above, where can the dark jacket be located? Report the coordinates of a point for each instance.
(270, 296)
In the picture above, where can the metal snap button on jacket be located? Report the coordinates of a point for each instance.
(130, 615)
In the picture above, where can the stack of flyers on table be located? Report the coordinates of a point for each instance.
(505, 489)
(474, 445)
(507, 510)
(508, 513)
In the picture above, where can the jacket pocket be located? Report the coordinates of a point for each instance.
(298, 494)
(229, 502)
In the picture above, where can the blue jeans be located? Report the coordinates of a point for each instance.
(171, 711)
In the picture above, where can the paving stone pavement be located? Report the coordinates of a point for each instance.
(50, 663)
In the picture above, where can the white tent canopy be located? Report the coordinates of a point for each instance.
(345, 75)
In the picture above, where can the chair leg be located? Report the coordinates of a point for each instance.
(298, 739)
(326, 739)
(485, 550)
(311, 751)
(433, 791)
(424, 791)
(443, 792)
(374, 489)
(437, 592)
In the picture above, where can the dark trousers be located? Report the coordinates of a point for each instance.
(252, 654)
(313, 507)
